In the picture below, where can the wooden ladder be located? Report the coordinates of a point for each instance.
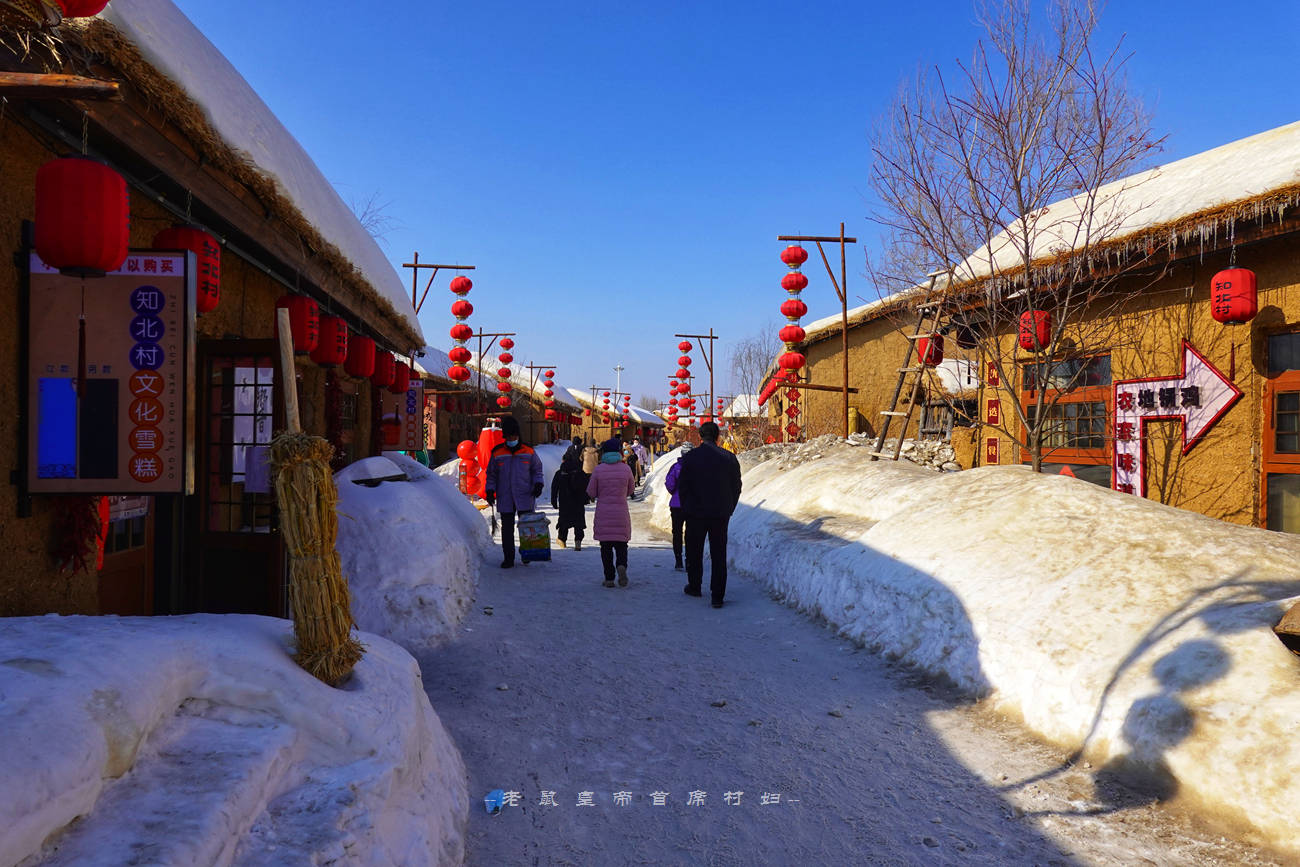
(927, 320)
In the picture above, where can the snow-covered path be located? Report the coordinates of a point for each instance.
(556, 684)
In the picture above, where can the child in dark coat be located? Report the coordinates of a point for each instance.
(569, 497)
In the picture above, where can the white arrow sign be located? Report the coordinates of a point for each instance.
(1199, 398)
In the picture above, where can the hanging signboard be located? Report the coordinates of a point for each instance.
(125, 428)
(410, 417)
(1198, 397)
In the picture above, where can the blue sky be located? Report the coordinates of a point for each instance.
(619, 172)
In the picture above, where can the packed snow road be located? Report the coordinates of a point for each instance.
(641, 726)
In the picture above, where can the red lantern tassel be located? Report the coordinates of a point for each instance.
(81, 356)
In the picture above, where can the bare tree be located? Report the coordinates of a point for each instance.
(649, 401)
(1009, 182)
(748, 360)
(372, 214)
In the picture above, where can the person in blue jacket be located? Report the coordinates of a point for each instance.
(514, 482)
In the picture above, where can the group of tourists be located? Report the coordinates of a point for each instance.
(704, 483)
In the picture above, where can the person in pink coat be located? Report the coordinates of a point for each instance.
(610, 486)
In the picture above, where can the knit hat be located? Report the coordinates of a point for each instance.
(611, 446)
(510, 426)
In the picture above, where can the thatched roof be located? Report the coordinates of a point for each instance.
(161, 54)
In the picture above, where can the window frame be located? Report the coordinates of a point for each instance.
(1102, 394)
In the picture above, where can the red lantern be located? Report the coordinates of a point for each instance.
(548, 393)
(1035, 329)
(461, 285)
(504, 386)
(794, 281)
(503, 402)
(684, 346)
(458, 374)
(304, 321)
(794, 256)
(606, 394)
(82, 8)
(587, 411)
(390, 431)
(793, 308)
(401, 378)
(461, 331)
(1233, 298)
(548, 403)
(550, 374)
(790, 360)
(333, 346)
(684, 361)
(552, 415)
(385, 369)
(82, 216)
(361, 357)
(792, 334)
(459, 354)
(467, 450)
(507, 343)
(683, 372)
(207, 253)
(505, 358)
(503, 372)
(930, 350)
(462, 309)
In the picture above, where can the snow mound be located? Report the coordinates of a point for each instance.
(411, 552)
(197, 740)
(1137, 634)
(661, 517)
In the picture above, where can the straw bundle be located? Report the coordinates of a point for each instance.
(318, 595)
(1288, 630)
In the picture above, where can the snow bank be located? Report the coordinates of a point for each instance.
(196, 740)
(654, 491)
(1136, 633)
(411, 552)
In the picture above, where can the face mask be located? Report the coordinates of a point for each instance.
(512, 443)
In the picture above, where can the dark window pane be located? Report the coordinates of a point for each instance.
(1283, 352)
(1288, 401)
(1284, 502)
(1287, 444)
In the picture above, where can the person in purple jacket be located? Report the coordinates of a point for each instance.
(514, 482)
(610, 486)
(675, 505)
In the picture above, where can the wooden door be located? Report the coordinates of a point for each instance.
(239, 558)
(1280, 467)
(126, 578)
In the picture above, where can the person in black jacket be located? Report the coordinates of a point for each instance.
(569, 497)
(709, 487)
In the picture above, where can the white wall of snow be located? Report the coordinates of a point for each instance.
(196, 739)
(1133, 632)
(411, 553)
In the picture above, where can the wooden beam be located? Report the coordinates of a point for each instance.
(31, 85)
(811, 387)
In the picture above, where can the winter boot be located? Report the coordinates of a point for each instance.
(577, 544)
(563, 543)
(609, 582)
(622, 576)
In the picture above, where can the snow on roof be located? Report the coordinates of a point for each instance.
(1235, 172)
(176, 48)
(743, 406)
(638, 414)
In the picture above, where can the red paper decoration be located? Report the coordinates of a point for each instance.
(505, 358)
(462, 309)
(459, 354)
(207, 252)
(683, 372)
(684, 346)
(361, 357)
(82, 216)
(332, 348)
(790, 360)
(684, 361)
(385, 369)
(794, 256)
(401, 378)
(792, 334)
(81, 8)
(304, 321)
(1233, 296)
(507, 343)
(504, 386)
(458, 374)
(930, 350)
(503, 402)
(793, 309)
(461, 331)
(1035, 330)
(461, 285)
(795, 281)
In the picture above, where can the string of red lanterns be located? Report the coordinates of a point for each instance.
(792, 335)
(460, 332)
